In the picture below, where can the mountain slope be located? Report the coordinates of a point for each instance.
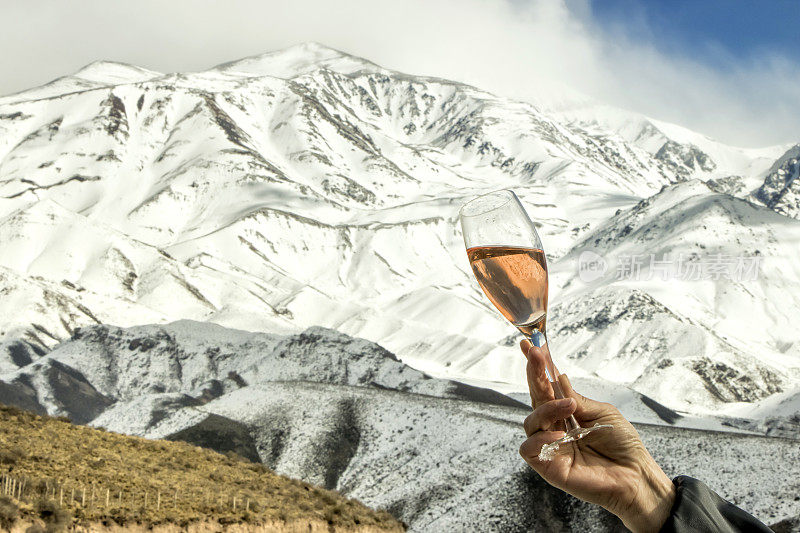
(206, 360)
(687, 153)
(345, 414)
(781, 188)
(102, 479)
(309, 187)
(676, 329)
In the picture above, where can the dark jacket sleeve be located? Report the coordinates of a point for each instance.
(699, 509)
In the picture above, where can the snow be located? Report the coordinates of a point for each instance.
(295, 61)
(748, 164)
(93, 76)
(308, 187)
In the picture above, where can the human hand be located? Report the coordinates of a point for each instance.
(610, 468)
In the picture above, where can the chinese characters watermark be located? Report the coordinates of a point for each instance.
(685, 267)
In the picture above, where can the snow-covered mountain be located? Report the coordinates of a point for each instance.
(346, 414)
(309, 187)
(781, 187)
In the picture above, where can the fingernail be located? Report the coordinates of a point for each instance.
(565, 402)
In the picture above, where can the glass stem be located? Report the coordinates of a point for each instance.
(539, 339)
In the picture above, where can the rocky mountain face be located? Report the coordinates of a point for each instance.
(206, 361)
(659, 326)
(781, 188)
(344, 413)
(308, 187)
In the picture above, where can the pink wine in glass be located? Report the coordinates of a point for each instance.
(515, 281)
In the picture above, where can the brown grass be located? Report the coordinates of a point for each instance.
(8, 512)
(67, 473)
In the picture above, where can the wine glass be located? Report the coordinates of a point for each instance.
(507, 258)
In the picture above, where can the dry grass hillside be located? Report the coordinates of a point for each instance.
(57, 474)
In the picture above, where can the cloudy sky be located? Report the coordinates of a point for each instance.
(727, 68)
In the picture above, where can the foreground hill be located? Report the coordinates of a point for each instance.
(345, 414)
(91, 476)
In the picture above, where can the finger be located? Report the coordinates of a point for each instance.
(540, 388)
(525, 345)
(544, 417)
(586, 408)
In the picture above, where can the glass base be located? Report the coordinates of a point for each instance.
(549, 450)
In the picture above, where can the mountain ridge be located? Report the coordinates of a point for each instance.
(330, 198)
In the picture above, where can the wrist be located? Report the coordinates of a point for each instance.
(655, 496)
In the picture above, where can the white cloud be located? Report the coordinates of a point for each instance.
(509, 48)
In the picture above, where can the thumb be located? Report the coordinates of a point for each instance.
(587, 408)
